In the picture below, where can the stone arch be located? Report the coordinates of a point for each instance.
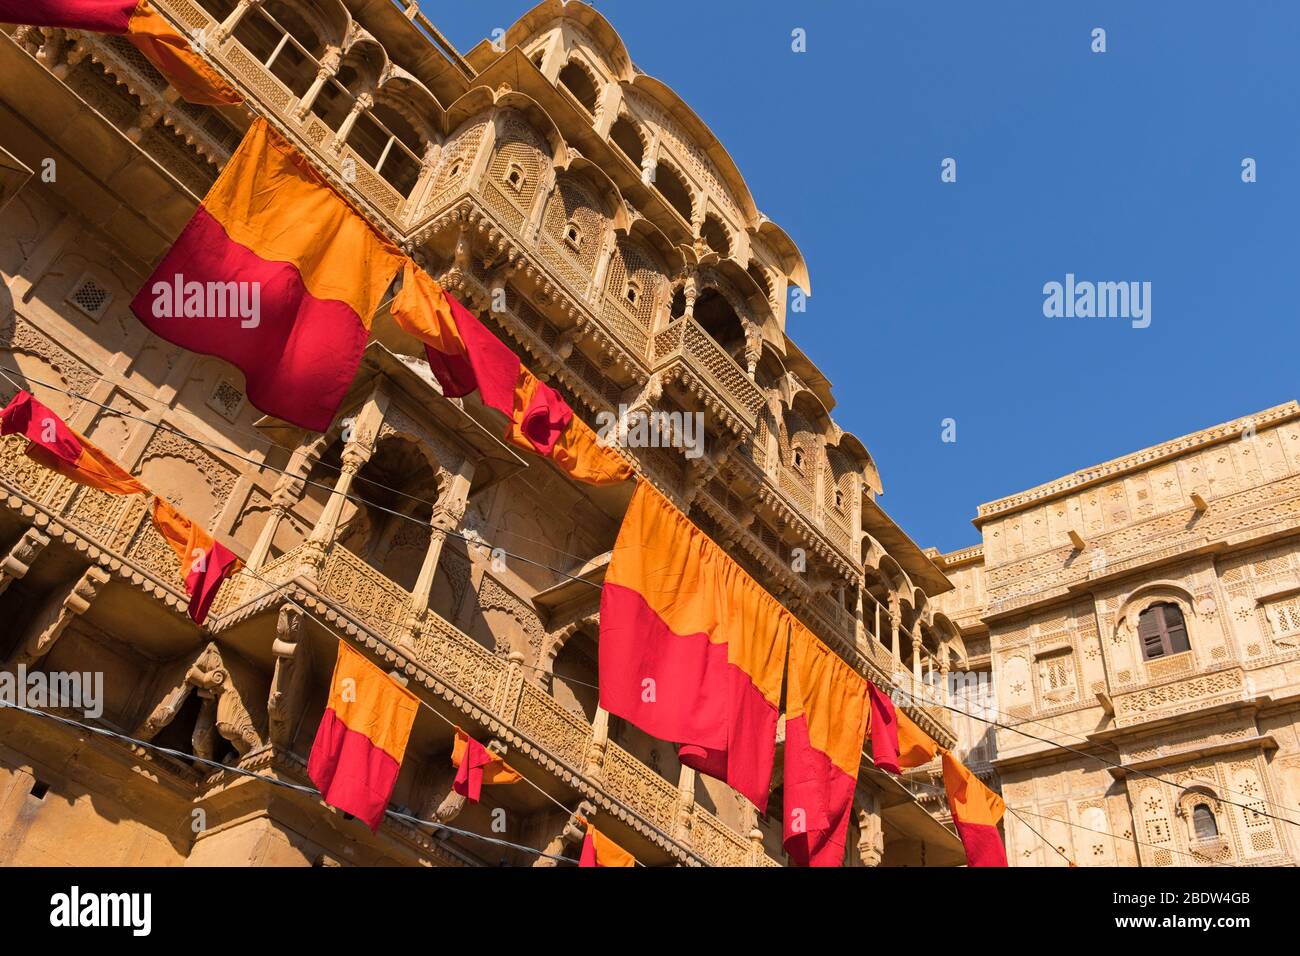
(1193, 806)
(1160, 592)
(675, 188)
(630, 138)
(716, 235)
(581, 83)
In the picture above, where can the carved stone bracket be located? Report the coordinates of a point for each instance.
(21, 557)
(572, 832)
(54, 618)
(289, 682)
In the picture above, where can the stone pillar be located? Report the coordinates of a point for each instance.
(287, 491)
(871, 835)
(917, 649)
(685, 804)
(228, 25)
(446, 517)
(895, 624)
(597, 746)
(329, 67)
(691, 292)
(322, 536)
(363, 102)
(944, 697)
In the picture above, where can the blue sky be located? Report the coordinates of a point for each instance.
(927, 296)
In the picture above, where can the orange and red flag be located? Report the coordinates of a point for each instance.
(56, 446)
(977, 811)
(276, 274)
(692, 649)
(476, 767)
(362, 738)
(205, 562)
(825, 722)
(600, 850)
(465, 357)
(186, 70)
(897, 744)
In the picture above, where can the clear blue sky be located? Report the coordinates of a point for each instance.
(927, 297)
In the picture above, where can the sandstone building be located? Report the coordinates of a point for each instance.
(599, 227)
(1145, 613)
(590, 217)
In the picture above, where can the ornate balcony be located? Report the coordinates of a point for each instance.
(685, 353)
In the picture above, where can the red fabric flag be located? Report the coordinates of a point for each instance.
(359, 746)
(56, 446)
(464, 355)
(279, 276)
(692, 649)
(825, 723)
(476, 765)
(205, 562)
(976, 811)
(151, 34)
(897, 744)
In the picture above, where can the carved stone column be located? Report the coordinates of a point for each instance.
(871, 835)
(329, 67)
(895, 623)
(685, 805)
(447, 517)
(944, 697)
(228, 25)
(917, 648)
(322, 536)
(596, 747)
(287, 491)
(363, 102)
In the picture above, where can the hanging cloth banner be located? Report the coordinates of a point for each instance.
(169, 52)
(56, 446)
(600, 850)
(825, 722)
(477, 767)
(276, 274)
(465, 357)
(976, 810)
(205, 562)
(692, 649)
(361, 740)
(897, 744)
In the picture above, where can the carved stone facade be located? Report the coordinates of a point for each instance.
(1188, 754)
(597, 226)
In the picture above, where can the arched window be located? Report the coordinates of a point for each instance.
(1203, 823)
(577, 81)
(1162, 631)
(673, 188)
(715, 235)
(625, 137)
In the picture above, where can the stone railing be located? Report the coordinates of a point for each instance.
(381, 605)
(685, 351)
(272, 96)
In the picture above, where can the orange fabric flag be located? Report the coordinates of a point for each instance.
(277, 274)
(692, 649)
(149, 32)
(976, 810)
(897, 744)
(826, 715)
(476, 766)
(600, 850)
(56, 446)
(361, 740)
(465, 357)
(205, 562)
